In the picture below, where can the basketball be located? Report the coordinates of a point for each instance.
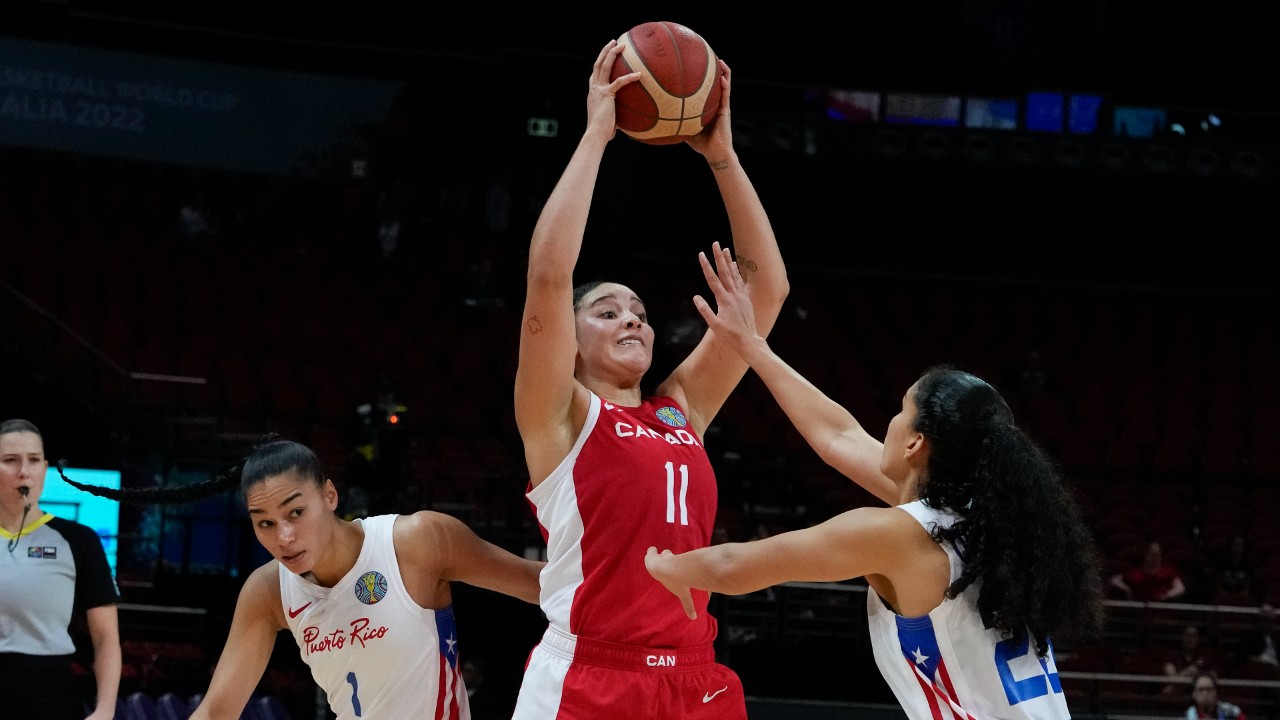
(678, 93)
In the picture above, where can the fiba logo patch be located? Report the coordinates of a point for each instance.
(371, 587)
(672, 416)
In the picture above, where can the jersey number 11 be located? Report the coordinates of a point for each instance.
(671, 493)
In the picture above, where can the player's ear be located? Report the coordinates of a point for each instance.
(917, 448)
(330, 493)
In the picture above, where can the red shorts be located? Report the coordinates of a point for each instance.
(573, 678)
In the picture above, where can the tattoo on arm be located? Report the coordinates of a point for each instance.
(719, 164)
(534, 325)
(746, 265)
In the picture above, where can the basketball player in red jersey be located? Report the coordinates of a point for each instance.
(613, 472)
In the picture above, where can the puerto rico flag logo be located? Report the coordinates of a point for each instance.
(452, 694)
(371, 587)
(672, 416)
(919, 647)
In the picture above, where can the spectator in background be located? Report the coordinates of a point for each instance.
(1262, 644)
(54, 570)
(1205, 704)
(1191, 658)
(1232, 575)
(1152, 581)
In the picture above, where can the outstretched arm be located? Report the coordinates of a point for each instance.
(545, 386)
(831, 430)
(257, 619)
(704, 380)
(853, 544)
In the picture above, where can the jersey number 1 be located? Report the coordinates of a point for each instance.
(671, 493)
(355, 693)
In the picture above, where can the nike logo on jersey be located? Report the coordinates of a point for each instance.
(294, 613)
(708, 697)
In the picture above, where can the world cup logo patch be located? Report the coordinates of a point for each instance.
(672, 416)
(371, 587)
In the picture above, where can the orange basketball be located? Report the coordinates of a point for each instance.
(678, 93)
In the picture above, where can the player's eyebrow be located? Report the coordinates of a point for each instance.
(285, 501)
(605, 298)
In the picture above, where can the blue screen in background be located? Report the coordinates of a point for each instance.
(1082, 118)
(995, 113)
(1138, 122)
(100, 514)
(1044, 112)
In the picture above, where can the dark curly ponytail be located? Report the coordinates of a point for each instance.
(1020, 531)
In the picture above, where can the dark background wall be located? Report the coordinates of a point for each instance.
(1144, 278)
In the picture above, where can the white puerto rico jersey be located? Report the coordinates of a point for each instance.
(946, 666)
(377, 654)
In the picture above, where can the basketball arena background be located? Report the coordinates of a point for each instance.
(219, 219)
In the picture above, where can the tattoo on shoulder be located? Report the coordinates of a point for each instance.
(534, 325)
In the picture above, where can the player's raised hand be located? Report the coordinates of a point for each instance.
(716, 140)
(601, 108)
(733, 320)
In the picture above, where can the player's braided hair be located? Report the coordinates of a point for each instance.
(1020, 531)
(159, 495)
(272, 454)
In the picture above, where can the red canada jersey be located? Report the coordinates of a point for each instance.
(636, 477)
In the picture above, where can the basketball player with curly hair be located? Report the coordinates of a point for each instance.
(979, 562)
